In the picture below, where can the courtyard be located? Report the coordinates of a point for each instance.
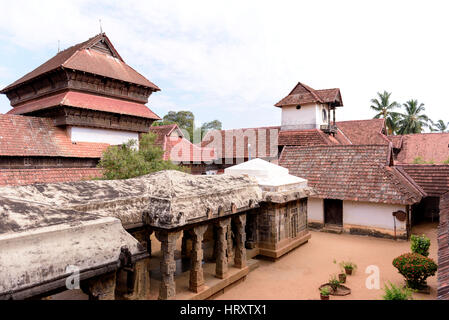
(298, 275)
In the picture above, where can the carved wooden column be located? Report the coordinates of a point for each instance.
(196, 268)
(221, 268)
(167, 289)
(240, 238)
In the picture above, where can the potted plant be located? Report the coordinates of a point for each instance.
(341, 276)
(334, 282)
(324, 293)
(348, 266)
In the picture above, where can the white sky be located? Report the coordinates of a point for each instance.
(233, 60)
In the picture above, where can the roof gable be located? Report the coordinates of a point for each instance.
(303, 94)
(97, 56)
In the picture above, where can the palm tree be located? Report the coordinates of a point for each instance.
(384, 107)
(439, 126)
(394, 123)
(412, 121)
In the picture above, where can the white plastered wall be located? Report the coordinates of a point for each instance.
(113, 137)
(370, 214)
(309, 116)
(366, 214)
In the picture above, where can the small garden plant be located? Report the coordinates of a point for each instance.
(348, 266)
(415, 268)
(325, 291)
(397, 293)
(420, 245)
(334, 282)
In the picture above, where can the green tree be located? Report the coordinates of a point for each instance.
(413, 120)
(383, 106)
(186, 121)
(439, 126)
(126, 161)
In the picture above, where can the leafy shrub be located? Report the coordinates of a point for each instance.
(397, 293)
(125, 161)
(420, 244)
(415, 268)
(446, 161)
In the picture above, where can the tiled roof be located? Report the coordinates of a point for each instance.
(162, 132)
(82, 58)
(179, 149)
(234, 143)
(396, 140)
(31, 136)
(443, 249)
(434, 179)
(86, 101)
(312, 137)
(303, 94)
(364, 131)
(351, 172)
(430, 147)
(15, 177)
(182, 150)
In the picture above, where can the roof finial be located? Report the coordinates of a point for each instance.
(101, 28)
(58, 45)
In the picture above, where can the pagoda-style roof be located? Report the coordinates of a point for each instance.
(86, 101)
(303, 94)
(96, 56)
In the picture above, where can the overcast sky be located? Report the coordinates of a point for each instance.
(233, 60)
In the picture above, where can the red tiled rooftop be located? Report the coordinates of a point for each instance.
(364, 131)
(430, 147)
(351, 172)
(86, 101)
(179, 149)
(434, 179)
(31, 136)
(16, 177)
(234, 143)
(81, 57)
(303, 94)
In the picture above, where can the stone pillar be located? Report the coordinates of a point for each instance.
(196, 268)
(230, 249)
(101, 287)
(240, 238)
(221, 268)
(167, 289)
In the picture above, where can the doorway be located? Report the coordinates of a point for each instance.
(333, 212)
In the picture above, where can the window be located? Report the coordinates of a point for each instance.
(324, 115)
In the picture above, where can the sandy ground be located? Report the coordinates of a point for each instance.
(298, 274)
